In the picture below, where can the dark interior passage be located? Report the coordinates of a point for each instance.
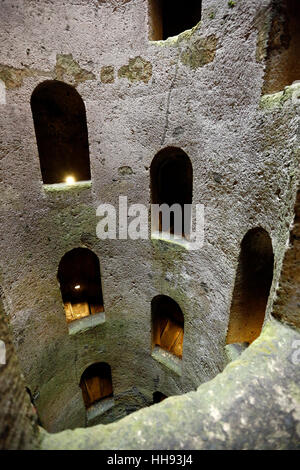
(172, 17)
(61, 132)
(158, 397)
(80, 284)
(167, 325)
(252, 286)
(283, 53)
(96, 383)
(171, 176)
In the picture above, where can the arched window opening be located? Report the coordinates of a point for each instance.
(171, 17)
(252, 286)
(158, 397)
(167, 325)
(96, 384)
(171, 175)
(287, 302)
(80, 284)
(61, 132)
(283, 56)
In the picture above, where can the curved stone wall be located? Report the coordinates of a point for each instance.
(201, 92)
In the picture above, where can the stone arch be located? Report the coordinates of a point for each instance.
(61, 132)
(96, 383)
(171, 176)
(167, 325)
(252, 286)
(80, 284)
(158, 397)
(283, 57)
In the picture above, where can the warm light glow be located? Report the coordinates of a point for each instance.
(77, 286)
(70, 180)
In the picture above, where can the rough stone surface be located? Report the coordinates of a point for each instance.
(107, 74)
(233, 411)
(18, 421)
(234, 350)
(13, 77)
(287, 303)
(137, 70)
(68, 70)
(243, 150)
(200, 52)
(125, 171)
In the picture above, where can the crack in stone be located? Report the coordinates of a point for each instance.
(169, 101)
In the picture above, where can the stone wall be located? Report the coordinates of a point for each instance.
(200, 91)
(254, 404)
(287, 303)
(18, 428)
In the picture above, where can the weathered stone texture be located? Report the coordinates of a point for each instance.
(18, 422)
(68, 70)
(254, 404)
(107, 74)
(200, 52)
(201, 92)
(287, 303)
(137, 70)
(282, 59)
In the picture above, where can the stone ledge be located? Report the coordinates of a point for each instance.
(234, 350)
(167, 359)
(84, 324)
(99, 409)
(173, 243)
(274, 100)
(59, 187)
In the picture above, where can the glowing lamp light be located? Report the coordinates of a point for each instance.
(77, 287)
(70, 180)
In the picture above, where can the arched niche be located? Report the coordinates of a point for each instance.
(96, 383)
(80, 284)
(167, 325)
(61, 132)
(171, 182)
(252, 286)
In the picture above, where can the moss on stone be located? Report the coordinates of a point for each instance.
(200, 52)
(107, 74)
(125, 171)
(276, 100)
(211, 416)
(67, 69)
(137, 70)
(262, 23)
